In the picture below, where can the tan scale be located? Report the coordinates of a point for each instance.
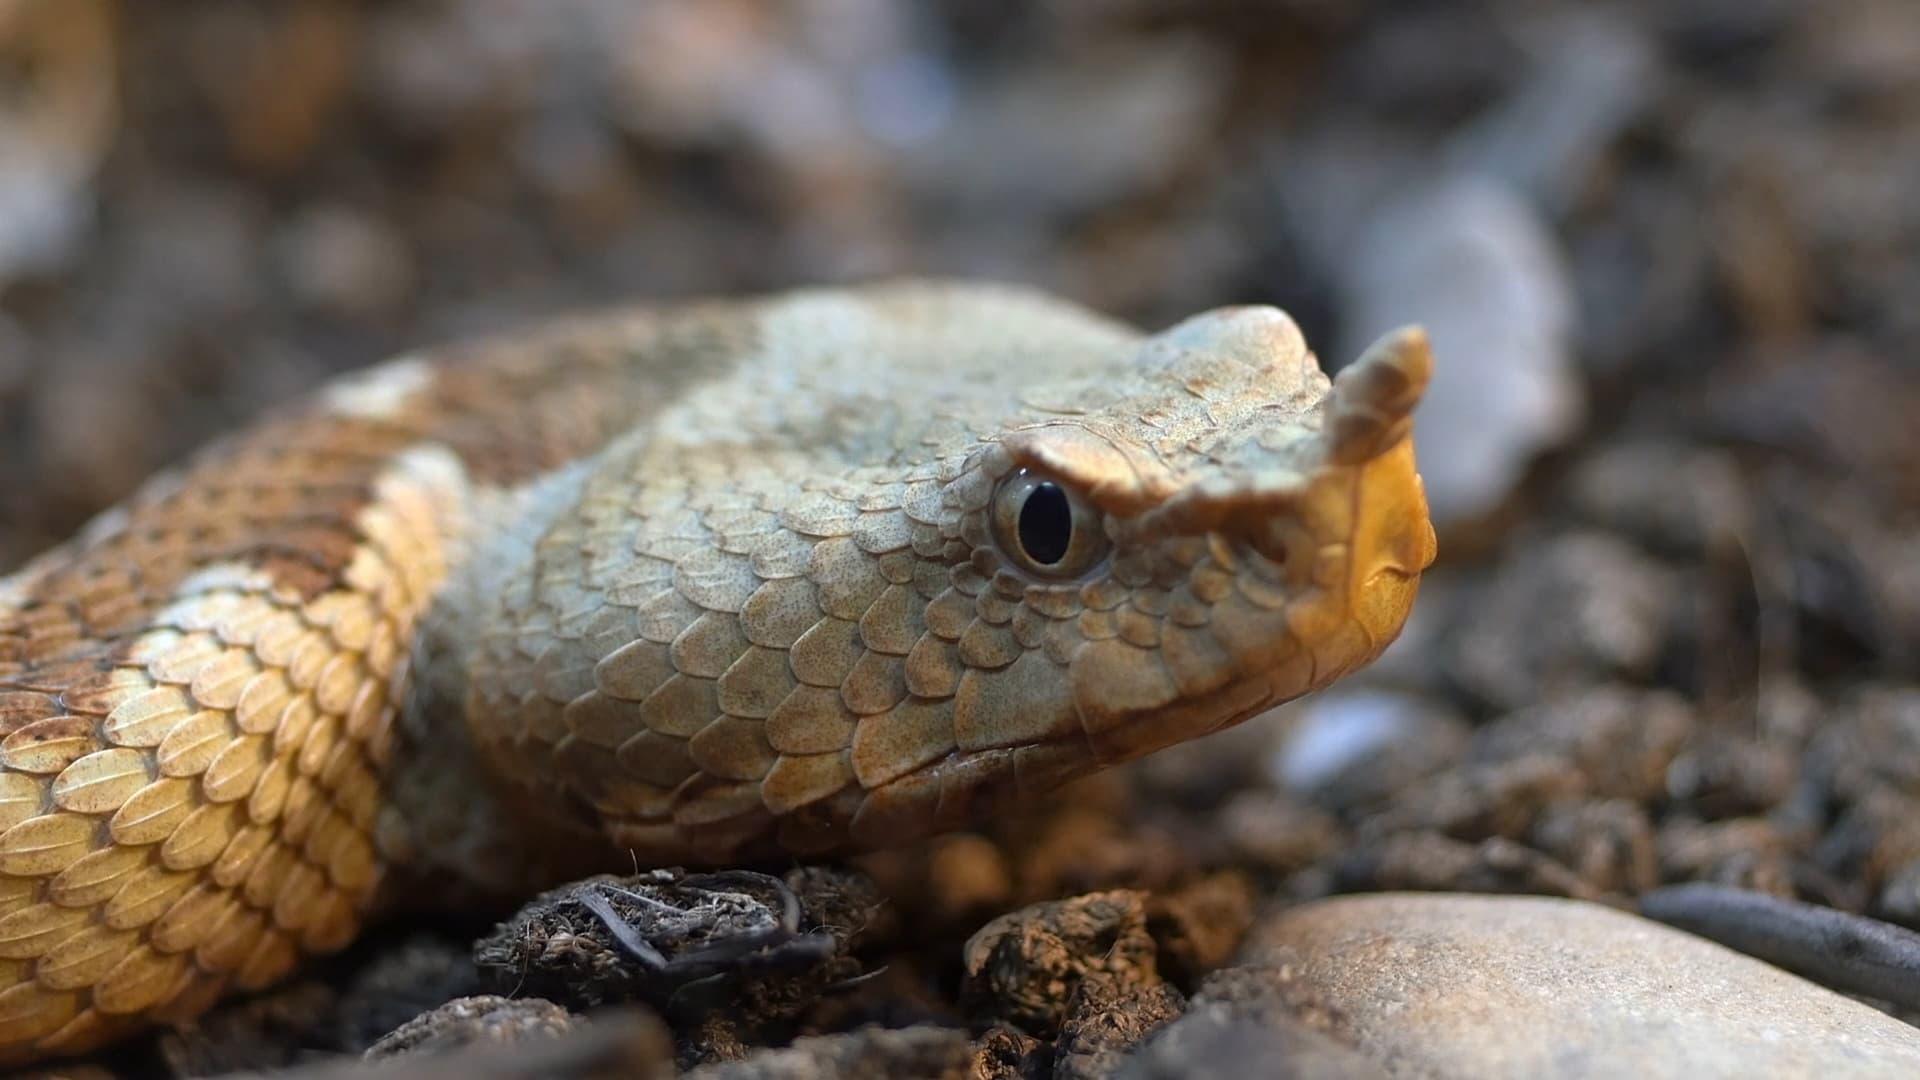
(809, 574)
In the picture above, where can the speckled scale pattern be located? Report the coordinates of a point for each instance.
(685, 586)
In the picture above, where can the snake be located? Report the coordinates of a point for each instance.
(792, 575)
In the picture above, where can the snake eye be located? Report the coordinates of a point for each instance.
(1046, 527)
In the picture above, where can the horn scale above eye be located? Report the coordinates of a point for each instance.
(1371, 408)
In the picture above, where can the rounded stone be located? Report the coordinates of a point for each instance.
(1482, 986)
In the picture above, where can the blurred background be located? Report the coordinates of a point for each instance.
(1595, 207)
(1669, 253)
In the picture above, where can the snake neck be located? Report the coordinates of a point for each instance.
(461, 822)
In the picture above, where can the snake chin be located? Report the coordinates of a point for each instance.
(1144, 733)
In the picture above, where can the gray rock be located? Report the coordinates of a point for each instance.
(1849, 952)
(1353, 748)
(870, 1053)
(1249, 1021)
(1468, 986)
(1104, 1023)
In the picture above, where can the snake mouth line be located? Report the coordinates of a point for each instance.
(1144, 732)
(1003, 783)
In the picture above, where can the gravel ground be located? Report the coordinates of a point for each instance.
(1670, 254)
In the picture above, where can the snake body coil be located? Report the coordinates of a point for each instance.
(814, 573)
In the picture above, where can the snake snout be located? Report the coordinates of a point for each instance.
(1393, 542)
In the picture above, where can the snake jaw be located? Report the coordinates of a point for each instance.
(1371, 408)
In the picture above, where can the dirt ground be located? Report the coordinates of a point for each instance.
(1674, 634)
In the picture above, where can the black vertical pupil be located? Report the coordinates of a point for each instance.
(1046, 524)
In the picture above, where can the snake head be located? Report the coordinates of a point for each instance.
(934, 549)
(1224, 530)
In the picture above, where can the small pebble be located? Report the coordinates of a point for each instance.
(1199, 927)
(1663, 493)
(1430, 862)
(340, 261)
(1248, 1021)
(745, 947)
(1103, 1024)
(1352, 748)
(1847, 952)
(1025, 966)
(1006, 1053)
(465, 1021)
(1609, 843)
(873, 1053)
(1612, 613)
(1622, 741)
